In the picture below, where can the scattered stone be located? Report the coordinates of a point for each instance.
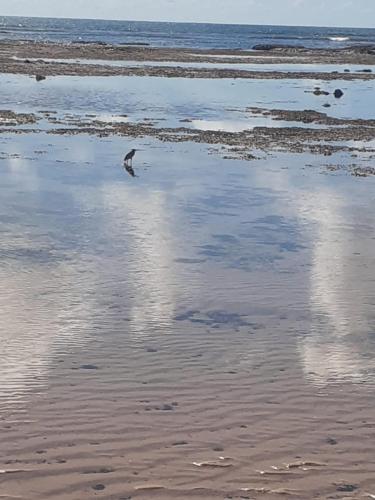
(101, 470)
(89, 367)
(11, 118)
(363, 171)
(39, 78)
(167, 407)
(180, 443)
(338, 93)
(218, 448)
(331, 441)
(326, 105)
(320, 92)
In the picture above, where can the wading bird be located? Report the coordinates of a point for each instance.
(129, 157)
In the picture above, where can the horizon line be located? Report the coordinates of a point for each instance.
(190, 22)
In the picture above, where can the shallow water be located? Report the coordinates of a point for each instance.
(209, 315)
(170, 100)
(86, 251)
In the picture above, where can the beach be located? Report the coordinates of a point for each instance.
(206, 328)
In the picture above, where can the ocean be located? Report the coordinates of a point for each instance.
(204, 36)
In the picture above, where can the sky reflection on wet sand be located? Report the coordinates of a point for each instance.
(87, 251)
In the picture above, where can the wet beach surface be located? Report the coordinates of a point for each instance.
(52, 59)
(203, 330)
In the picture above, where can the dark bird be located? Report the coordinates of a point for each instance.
(129, 157)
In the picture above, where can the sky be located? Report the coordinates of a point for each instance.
(351, 13)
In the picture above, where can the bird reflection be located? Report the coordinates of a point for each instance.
(129, 169)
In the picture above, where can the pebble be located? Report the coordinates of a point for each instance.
(331, 441)
(167, 407)
(98, 487)
(347, 488)
(151, 349)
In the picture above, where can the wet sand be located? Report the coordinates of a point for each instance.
(205, 329)
(38, 58)
(352, 55)
(180, 418)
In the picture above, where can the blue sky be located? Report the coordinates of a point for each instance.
(289, 12)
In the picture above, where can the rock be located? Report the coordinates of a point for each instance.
(346, 70)
(347, 488)
(363, 171)
(368, 70)
(270, 46)
(320, 92)
(167, 407)
(264, 46)
(89, 367)
(39, 78)
(326, 105)
(338, 93)
(98, 487)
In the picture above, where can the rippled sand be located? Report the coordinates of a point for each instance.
(188, 416)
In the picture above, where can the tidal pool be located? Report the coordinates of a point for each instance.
(170, 100)
(87, 251)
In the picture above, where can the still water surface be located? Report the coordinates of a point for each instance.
(87, 251)
(170, 100)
